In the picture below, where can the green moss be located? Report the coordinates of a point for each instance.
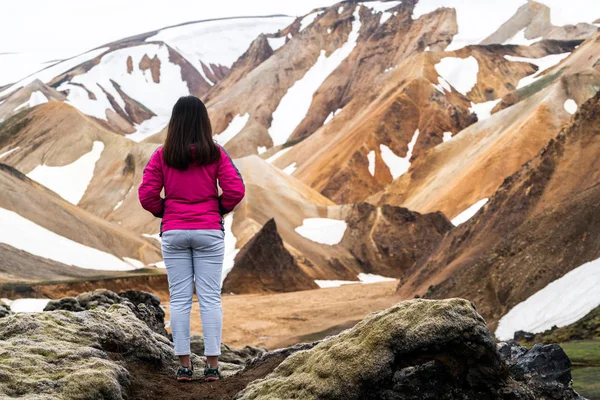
(13, 125)
(586, 382)
(585, 352)
(538, 85)
(291, 143)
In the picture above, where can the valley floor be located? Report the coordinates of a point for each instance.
(284, 319)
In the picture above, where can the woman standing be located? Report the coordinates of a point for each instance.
(189, 166)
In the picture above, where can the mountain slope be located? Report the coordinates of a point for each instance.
(470, 167)
(60, 233)
(540, 224)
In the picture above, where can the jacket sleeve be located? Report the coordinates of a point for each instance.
(152, 185)
(231, 183)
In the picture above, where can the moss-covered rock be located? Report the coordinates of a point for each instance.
(79, 355)
(145, 306)
(418, 349)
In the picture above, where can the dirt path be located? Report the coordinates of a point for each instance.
(281, 320)
(148, 384)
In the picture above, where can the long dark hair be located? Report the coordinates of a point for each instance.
(189, 136)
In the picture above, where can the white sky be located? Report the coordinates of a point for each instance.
(74, 26)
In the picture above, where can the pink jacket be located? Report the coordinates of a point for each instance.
(192, 199)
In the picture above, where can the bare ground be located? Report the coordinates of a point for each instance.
(284, 319)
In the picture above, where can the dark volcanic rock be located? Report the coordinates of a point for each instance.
(145, 306)
(416, 350)
(546, 368)
(264, 265)
(228, 354)
(389, 240)
(4, 310)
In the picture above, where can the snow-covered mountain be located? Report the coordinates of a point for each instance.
(362, 129)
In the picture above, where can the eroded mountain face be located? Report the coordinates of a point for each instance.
(541, 223)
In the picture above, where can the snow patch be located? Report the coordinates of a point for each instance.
(570, 107)
(290, 169)
(323, 230)
(37, 240)
(70, 181)
(6, 153)
(371, 158)
(134, 263)
(442, 85)
(520, 40)
(309, 19)
(137, 84)
(483, 110)
(296, 102)
(469, 212)
(149, 127)
(276, 43)
(119, 204)
(323, 284)
(230, 250)
(235, 126)
(330, 116)
(155, 237)
(371, 278)
(544, 64)
(219, 42)
(398, 165)
(275, 156)
(28, 305)
(562, 302)
(341, 10)
(261, 149)
(447, 137)
(461, 73)
(35, 99)
(363, 278)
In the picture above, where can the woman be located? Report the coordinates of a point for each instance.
(188, 167)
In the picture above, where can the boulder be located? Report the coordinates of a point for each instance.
(418, 349)
(145, 306)
(80, 355)
(546, 368)
(228, 354)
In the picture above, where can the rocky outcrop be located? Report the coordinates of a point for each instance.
(82, 355)
(388, 240)
(264, 265)
(145, 306)
(418, 349)
(544, 369)
(228, 354)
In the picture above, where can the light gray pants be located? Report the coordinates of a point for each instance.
(195, 255)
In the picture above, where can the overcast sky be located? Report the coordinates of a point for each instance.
(74, 26)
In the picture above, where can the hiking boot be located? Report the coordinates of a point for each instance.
(211, 374)
(184, 374)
